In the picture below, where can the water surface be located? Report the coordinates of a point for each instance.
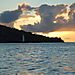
(37, 59)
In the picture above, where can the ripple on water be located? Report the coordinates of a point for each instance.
(37, 59)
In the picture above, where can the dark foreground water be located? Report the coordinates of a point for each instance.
(37, 59)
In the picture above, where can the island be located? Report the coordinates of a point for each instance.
(12, 35)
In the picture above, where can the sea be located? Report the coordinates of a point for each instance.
(37, 58)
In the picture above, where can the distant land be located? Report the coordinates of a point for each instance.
(12, 35)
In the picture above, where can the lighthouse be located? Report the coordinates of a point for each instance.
(23, 38)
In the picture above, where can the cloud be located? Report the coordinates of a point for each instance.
(56, 17)
(10, 16)
(47, 14)
(25, 5)
(72, 11)
(72, 6)
(53, 17)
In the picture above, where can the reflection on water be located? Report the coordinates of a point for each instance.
(37, 59)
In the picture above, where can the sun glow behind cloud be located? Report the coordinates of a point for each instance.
(64, 15)
(26, 20)
(67, 36)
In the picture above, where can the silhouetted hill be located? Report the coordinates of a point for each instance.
(11, 35)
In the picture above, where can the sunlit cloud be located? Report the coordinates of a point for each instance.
(25, 20)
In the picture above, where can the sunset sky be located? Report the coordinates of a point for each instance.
(53, 18)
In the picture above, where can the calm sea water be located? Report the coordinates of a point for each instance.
(37, 59)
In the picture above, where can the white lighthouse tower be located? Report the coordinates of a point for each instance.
(23, 39)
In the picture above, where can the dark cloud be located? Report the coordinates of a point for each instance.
(71, 23)
(72, 11)
(9, 16)
(47, 14)
(72, 6)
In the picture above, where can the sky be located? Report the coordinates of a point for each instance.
(52, 18)
(12, 4)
